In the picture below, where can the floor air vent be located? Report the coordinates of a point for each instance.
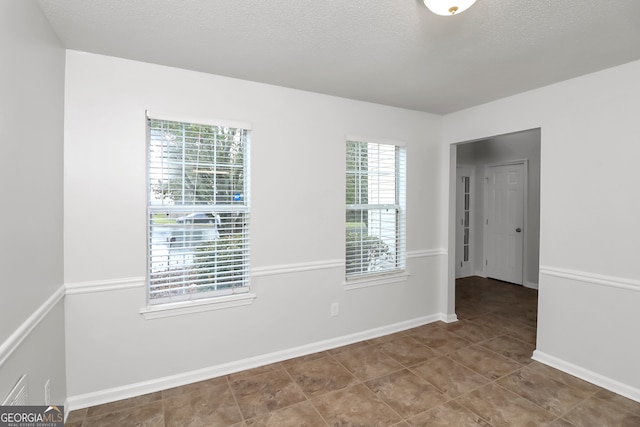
(18, 395)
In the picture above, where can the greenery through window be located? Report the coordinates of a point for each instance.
(198, 211)
(374, 208)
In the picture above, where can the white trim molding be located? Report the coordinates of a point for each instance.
(587, 375)
(19, 335)
(426, 253)
(144, 387)
(596, 279)
(274, 270)
(296, 268)
(105, 285)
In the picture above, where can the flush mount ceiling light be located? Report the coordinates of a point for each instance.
(448, 7)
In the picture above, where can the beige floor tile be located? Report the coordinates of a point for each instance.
(472, 311)
(564, 378)
(354, 346)
(449, 377)
(302, 359)
(491, 320)
(123, 404)
(301, 414)
(407, 351)
(386, 338)
(355, 406)
(485, 362)
(620, 402)
(543, 390)
(502, 408)
(145, 415)
(561, 423)
(429, 327)
(524, 333)
(451, 414)
(406, 393)
(260, 394)
(211, 405)
(521, 315)
(441, 340)
(473, 332)
(318, 376)
(511, 348)
(367, 363)
(595, 412)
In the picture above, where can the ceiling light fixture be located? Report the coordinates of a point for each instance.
(448, 7)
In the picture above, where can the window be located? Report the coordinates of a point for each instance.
(375, 199)
(198, 211)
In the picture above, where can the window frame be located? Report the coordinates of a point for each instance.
(355, 280)
(201, 300)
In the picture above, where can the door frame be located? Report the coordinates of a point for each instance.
(525, 207)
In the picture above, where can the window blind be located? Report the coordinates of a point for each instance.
(375, 208)
(198, 211)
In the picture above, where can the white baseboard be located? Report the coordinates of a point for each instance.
(136, 389)
(530, 285)
(615, 386)
(449, 318)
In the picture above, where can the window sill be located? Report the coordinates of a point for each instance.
(196, 306)
(375, 280)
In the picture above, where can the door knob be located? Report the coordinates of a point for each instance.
(518, 230)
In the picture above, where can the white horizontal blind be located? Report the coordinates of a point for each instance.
(375, 214)
(198, 208)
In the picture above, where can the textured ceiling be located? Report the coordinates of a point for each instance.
(393, 52)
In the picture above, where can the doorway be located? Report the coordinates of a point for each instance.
(519, 147)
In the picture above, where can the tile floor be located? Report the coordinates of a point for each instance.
(475, 372)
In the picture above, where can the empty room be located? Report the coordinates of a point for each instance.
(243, 213)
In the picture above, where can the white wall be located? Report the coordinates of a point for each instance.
(504, 148)
(589, 229)
(31, 125)
(297, 227)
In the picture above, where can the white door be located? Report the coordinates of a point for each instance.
(505, 222)
(464, 200)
